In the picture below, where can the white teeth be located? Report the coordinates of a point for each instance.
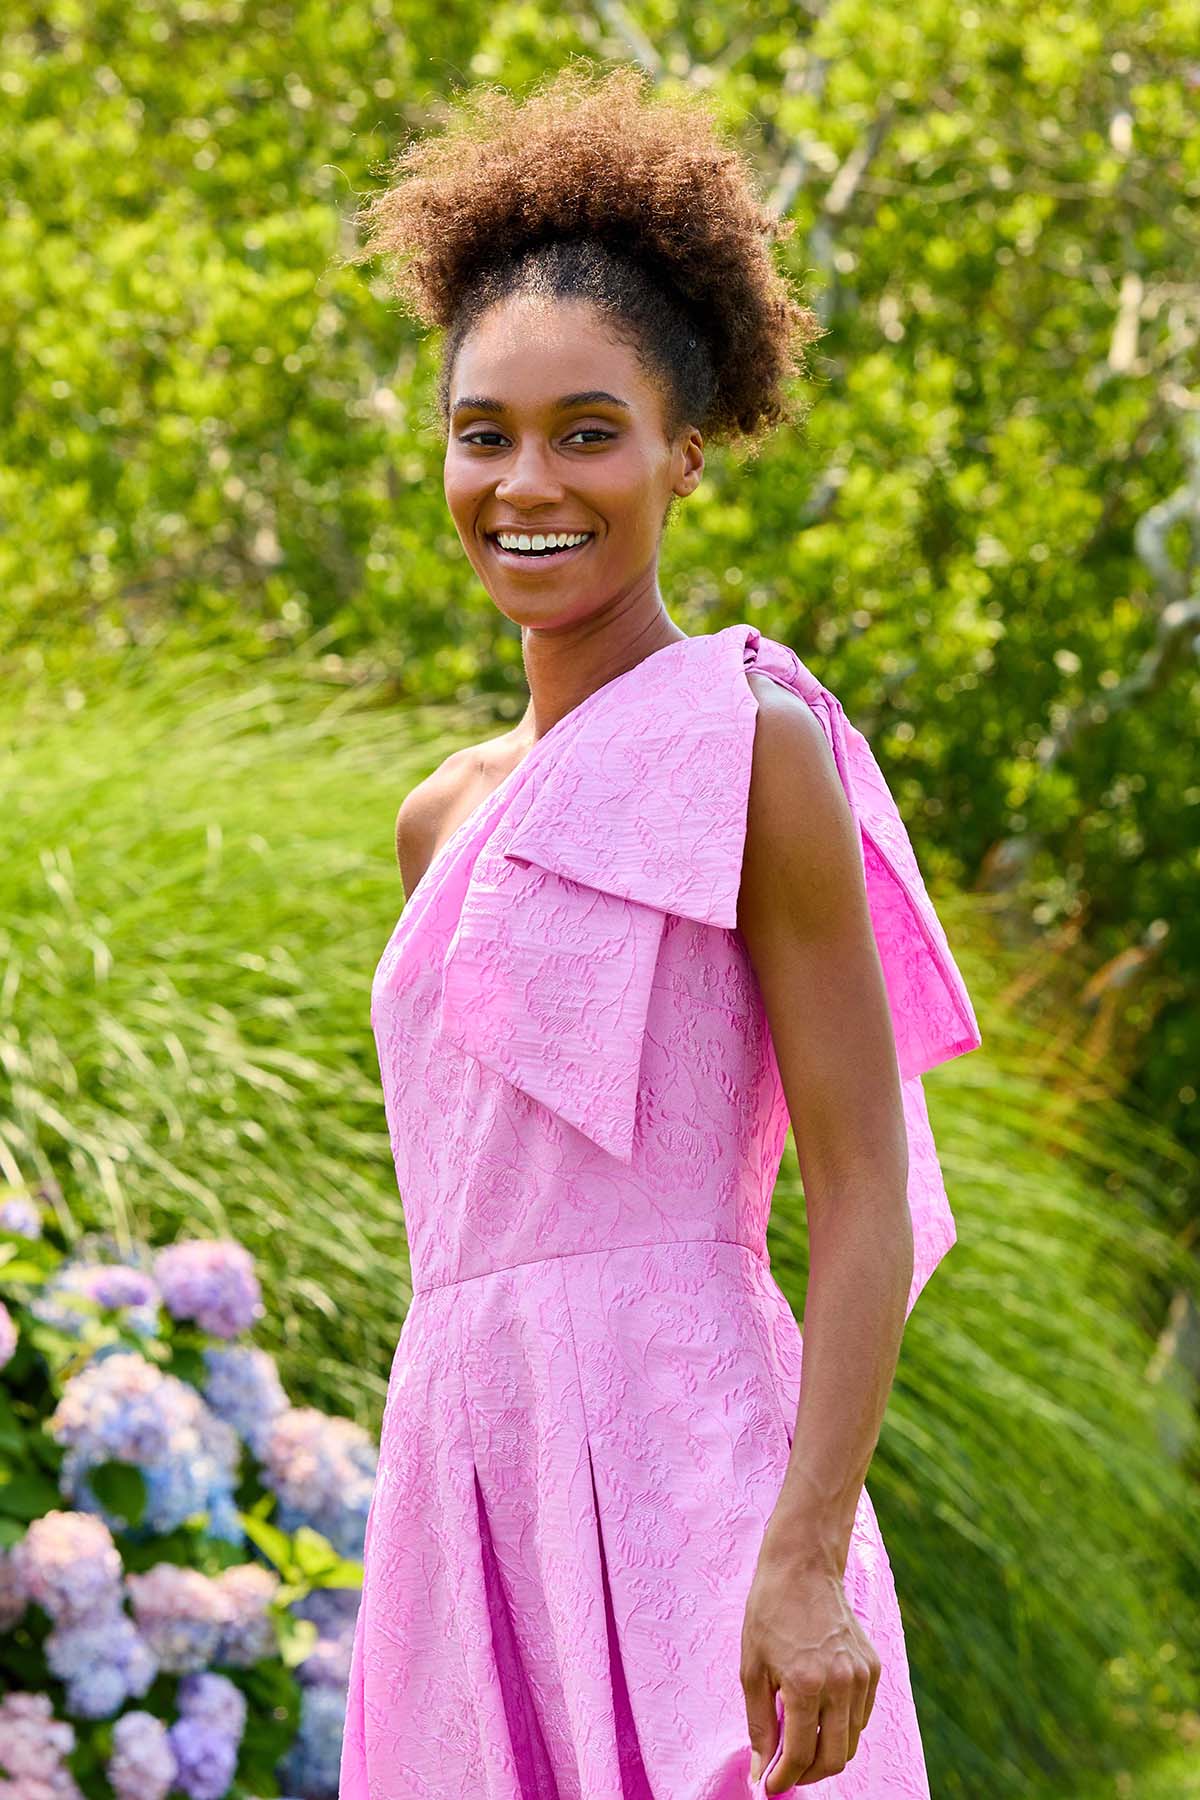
(509, 540)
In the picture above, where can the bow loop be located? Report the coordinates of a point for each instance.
(642, 813)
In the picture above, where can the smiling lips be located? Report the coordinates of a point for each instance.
(525, 558)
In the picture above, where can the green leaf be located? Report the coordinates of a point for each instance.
(121, 1488)
(342, 1574)
(12, 1435)
(297, 1638)
(188, 1365)
(314, 1554)
(20, 1272)
(273, 1543)
(24, 1496)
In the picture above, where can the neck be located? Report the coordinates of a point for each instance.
(564, 666)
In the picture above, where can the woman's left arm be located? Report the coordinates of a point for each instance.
(803, 914)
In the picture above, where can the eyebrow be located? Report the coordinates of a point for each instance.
(587, 397)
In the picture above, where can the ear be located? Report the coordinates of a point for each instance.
(692, 463)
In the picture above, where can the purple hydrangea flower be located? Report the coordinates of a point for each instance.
(334, 1611)
(215, 1701)
(124, 1408)
(8, 1335)
(313, 1763)
(212, 1281)
(244, 1389)
(67, 1563)
(206, 1759)
(116, 1285)
(21, 1216)
(79, 1284)
(322, 1469)
(33, 1748)
(103, 1660)
(327, 1664)
(142, 1764)
(181, 1614)
(249, 1634)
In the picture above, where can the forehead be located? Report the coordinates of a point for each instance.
(531, 349)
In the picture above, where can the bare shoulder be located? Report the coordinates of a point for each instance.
(421, 822)
(801, 853)
(433, 809)
(790, 746)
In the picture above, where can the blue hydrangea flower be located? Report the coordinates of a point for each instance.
(124, 1408)
(322, 1468)
(103, 1661)
(244, 1389)
(21, 1216)
(313, 1764)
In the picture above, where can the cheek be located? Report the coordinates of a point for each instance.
(462, 494)
(626, 483)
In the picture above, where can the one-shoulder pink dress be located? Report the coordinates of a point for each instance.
(590, 1408)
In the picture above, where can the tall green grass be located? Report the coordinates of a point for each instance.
(196, 880)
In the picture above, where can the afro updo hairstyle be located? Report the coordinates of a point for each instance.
(592, 190)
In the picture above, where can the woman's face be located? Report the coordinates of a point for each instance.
(555, 427)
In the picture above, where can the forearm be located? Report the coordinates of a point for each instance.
(861, 1263)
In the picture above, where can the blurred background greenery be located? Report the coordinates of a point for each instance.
(236, 626)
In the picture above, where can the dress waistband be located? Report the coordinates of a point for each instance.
(433, 1287)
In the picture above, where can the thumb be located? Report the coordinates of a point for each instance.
(762, 1723)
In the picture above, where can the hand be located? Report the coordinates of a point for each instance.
(800, 1636)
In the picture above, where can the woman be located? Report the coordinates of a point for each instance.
(671, 910)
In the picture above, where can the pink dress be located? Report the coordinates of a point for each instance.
(591, 1403)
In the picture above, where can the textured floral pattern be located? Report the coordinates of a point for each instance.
(589, 1409)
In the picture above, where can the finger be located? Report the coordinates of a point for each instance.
(864, 1700)
(801, 1716)
(833, 1751)
(762, 1722)
(872, 1688)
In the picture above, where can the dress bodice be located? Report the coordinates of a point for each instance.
(572, 1043)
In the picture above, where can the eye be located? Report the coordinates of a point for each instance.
(590, 431)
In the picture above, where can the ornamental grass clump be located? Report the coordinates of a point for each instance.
(160, 1632)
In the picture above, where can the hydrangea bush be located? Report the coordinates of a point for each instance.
(180, 1546)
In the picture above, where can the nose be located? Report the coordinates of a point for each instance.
(529, 479)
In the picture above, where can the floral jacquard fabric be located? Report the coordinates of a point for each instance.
(590, 1407)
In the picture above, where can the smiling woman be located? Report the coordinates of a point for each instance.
(671, 910)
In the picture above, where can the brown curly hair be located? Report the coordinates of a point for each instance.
(590, 189)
